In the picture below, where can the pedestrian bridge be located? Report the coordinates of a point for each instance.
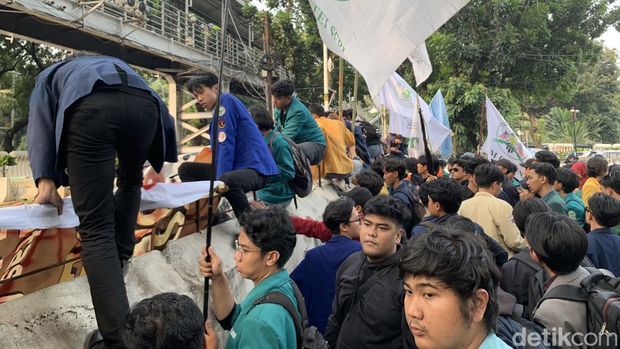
(174, 38)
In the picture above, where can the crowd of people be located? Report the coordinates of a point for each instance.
(418, 252)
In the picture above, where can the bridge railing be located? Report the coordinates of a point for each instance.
(189, 29)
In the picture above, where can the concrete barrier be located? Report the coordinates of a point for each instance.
(60, 316)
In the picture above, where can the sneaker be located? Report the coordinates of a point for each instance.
(94, 340)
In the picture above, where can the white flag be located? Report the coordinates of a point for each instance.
(377, 36)
(422, 67)
(502, 142)
(400, 99)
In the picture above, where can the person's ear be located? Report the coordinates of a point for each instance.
(272, 258)
(399, 235)
(478, 305)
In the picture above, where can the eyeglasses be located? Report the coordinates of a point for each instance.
(243, 250)
(357, 220)
(455, 169)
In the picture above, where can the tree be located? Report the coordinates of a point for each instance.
(527, 56)
(562, 127)
(20, 63)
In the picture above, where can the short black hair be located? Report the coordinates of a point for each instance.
(390, 208)
(546, 170)
(469, 165)
(369, 180)
(377, 165)
(448, 193)
(270, 229)
(422, 160)
(596, 166)
(560, 243)
(196, 83)
(283, 88)
(525, 208)
(459, 260)
(167, 321)
(487, 174)
(605, 209)
(612, 181)
(393, 163)
(261, 117)
(568, 179)
(337, 212)
(316, 108)
(546, 156)
(412, 165)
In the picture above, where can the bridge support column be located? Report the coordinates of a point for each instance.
(175, 101)
(226, 84)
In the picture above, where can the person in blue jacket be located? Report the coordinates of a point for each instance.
(316, 273)
(86, 112)
(602, 214)
(295, 121)
(243, 160)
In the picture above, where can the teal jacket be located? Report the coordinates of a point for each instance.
(264, 325)
(576, 209)
(278, 189)
(298, 124)
(555, 202)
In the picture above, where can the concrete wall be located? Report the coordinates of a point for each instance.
(60, 316)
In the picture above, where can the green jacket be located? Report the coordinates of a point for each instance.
(278, 189)
(298, 124)
(576, 209)
(555, 202)
(264, 325)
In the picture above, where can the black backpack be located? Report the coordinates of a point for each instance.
(601, 293)
(308, 337)
(302, 182)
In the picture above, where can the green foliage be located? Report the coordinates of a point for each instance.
(20, 63)
(562, 127)
(5, 161)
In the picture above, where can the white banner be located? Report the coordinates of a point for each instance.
(422, 67)
(375, 37)
(401, 100)
(162, 195)
(502, 142)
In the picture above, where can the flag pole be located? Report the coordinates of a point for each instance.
(354, 114)
(214, 146)
(482, 120)
(340, 86)
(427, 149)
(325, 79)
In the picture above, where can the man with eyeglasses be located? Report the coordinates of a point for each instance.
(316, 274)
(266, 242)
(367, 311)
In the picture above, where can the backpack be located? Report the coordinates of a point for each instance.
(601, 293)
(302, 182)
(308, 337)
(536, 289)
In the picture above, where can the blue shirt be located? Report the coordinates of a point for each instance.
(241, 144)
(493, 342)
(60, 86)
(316, 276)
(604, 249)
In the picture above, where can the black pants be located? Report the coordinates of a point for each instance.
(97, 129)
(313, 151)
(239, 182)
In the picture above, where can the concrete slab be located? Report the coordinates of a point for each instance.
(60, 316)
